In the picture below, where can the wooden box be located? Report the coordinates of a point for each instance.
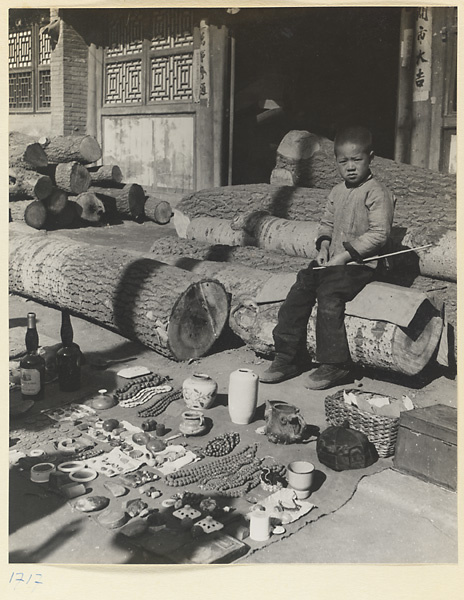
(427, 444)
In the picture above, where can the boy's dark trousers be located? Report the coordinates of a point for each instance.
(333, 287)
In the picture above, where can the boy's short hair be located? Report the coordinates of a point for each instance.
(356, 135)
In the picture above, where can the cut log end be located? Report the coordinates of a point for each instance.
(159, 211)
(197, 320)
(35, 215)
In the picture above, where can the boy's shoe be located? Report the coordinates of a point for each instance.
(326, 376)
(279, 371)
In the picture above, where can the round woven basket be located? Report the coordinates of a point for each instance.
(381, 430)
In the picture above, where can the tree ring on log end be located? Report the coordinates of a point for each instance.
(197, 319)
(419, 341)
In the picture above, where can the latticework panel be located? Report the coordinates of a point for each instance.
(20, 49)
(20, 90)
(44, 48)
(171, 78)
(125, 34)
(123, 82)
(45, 95)
(172, 29)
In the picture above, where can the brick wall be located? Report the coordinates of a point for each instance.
(69, 73)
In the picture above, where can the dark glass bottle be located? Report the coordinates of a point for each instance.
(68, 357)
(32, 365)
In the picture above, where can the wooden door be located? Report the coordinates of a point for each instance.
(162, 106)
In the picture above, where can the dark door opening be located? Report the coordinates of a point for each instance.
(313, 69)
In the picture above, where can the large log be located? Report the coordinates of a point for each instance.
(295, 238)
(106, 175)
(157, 210)
(71, 177)
(228, 202)
(25, 152)
(28, 184)
(177, 250)
(373, 343)
(321, 171)
(68, 148)
(169, 310)
(127, 202)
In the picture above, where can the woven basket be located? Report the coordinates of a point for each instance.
(381, 430)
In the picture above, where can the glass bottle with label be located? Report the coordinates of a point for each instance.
(68, 357)
(32, 365)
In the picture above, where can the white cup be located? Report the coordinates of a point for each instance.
(300, 474)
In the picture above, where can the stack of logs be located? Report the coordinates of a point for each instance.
(53, 185)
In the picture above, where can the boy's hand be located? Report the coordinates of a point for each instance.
(323, 256)
(339, 259)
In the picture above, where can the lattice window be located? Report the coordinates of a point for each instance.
(149, 57)
(123, 82)
(171, 78)
(29, 77)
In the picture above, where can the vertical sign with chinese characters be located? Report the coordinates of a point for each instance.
(423, 55)
(201, 66)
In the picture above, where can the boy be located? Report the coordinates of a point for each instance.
(356, 224)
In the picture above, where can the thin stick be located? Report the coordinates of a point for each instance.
(382, 255)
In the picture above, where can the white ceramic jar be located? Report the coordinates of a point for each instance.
(243, 396)
(199, 391)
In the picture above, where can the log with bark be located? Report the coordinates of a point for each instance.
(228, 202)
(177, 249)
(28, 184)
(157, 210)
(71, 177)
(295, 238)
(69, 148)
(31, 212)
(169, 310)
(405, 181)
(106, 175)
(25, 152)
(127, 202)
(88, 207)
(373, 343)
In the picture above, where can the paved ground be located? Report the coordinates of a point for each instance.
(389, 518)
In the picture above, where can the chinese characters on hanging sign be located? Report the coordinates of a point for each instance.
(201, 66)
(423, 55)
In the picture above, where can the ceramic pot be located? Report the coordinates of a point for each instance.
(284, 424)
(199, 391)
(243, 396)
(300, 475)
(193, 422)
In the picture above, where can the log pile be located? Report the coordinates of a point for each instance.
(175, 313)
(54, 184)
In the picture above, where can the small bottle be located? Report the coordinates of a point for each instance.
(32, 366)
(68, 357)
